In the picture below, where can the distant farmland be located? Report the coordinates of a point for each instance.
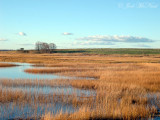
(110, 51)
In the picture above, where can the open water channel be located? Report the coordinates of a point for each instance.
(11, 110)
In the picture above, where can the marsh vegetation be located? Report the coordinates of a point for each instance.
(96, 87)
(7, 65)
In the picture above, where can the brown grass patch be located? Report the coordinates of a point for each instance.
(57, 70)
(121, 85)
(7, 65)
(84, 84)
(37, 82)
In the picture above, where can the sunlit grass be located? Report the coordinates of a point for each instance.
(7, 65)
(121, 83)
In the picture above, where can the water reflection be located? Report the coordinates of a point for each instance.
(18, 72)
(53, 90)
(13, 110)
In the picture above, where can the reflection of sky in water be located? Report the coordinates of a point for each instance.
(12, 111)
(18, 72)
(53, 90)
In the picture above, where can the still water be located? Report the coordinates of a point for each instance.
(17, 72)
(12, 111)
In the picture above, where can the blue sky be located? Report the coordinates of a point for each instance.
(80, 23)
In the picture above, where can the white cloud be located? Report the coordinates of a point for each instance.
(95, 43)
(22, 34)
(110, 40)
(2, 39)
(67, 33)
(116, 38)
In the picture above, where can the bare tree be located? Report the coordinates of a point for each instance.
(44, 47)
(38, 46)
(52, 46)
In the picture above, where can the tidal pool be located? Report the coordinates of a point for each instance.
(18, 72)
(58, 90)
(12, 111)
(15, 110)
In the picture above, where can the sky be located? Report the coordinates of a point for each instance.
(80, 23)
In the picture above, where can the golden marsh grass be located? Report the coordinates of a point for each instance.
(7, 65)
(122, 84)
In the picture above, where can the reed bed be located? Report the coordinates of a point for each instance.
(34, 82)
(122, 84)
(11, 99)
(124, 104)
(76, 58)
(65, 71)
(80, 83)
(7, 65)
(59, 70)
(20, 96)
(126, 83)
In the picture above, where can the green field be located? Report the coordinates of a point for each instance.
(106, 51)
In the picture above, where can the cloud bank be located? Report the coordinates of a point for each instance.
(95, 43)
(110, 40)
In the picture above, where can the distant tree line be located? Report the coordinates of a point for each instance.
(44, 47)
